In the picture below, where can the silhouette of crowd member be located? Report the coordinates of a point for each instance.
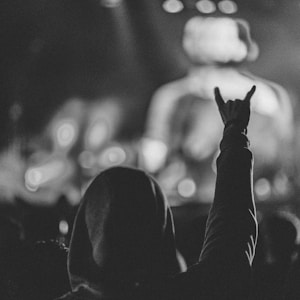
(37, 271)
(11, 233)
(183, 110)
(292, 288)
(123, 244)
(279, 235)
(122, 236)
(10, 241)
(41, 223)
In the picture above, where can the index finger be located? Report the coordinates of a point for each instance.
(250, 94)
(219, 99)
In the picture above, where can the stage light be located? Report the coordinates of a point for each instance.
(63, 227)
(228, 7)
(281, 184)
(37, 176)
(153, 154)
(110, 3)
(186, 188)
(86, 159)
(73, 195)
(114, 155)
(33, 178)
(206, 6)
(173, 6)
(65, 133)
(262, 189)
(97, 134)
(103, 121)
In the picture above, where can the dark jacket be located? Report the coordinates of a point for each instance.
(123, 245)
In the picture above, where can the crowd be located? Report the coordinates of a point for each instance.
(123, 242)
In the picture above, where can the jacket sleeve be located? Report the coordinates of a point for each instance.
(231, 230)
(224, 268)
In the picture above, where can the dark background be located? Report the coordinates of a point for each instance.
(52, 50)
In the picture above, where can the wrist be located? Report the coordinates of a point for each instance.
(237, 125)
(234, 136)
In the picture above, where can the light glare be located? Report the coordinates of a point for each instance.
(186, 188)
(65, 134)
(33, 178)
(63, 227)
(98, 134)
(227, 7)
(36, 176)
(262, 189)
(153, 154)
(86, 159)
(173, 6)
(206, 6)
(112, 156)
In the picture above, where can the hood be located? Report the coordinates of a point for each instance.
(123, 234)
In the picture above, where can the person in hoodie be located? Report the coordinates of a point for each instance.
(123, 243)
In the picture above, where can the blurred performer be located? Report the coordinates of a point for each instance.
(182, 111)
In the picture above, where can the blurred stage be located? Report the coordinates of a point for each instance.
(78, 79)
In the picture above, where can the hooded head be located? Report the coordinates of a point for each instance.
(123, 233)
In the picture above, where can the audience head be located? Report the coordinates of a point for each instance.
(280, 236)
(123, 233)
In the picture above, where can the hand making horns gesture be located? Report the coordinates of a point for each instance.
(237, 111)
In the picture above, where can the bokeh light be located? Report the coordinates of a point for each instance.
(97, 134)
(228, 7)
(63, 227)
(262, 188)
(66, 133)
(86, 159)
(111, 156)
(281, 184)
(173, 6)
(153, 154)
(206, 6)
(186, 187)
(33, 178)
(36, 176)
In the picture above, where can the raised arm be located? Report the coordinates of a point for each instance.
(224, 268)
(231, 231)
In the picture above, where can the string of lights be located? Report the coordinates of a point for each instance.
(203, 6)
